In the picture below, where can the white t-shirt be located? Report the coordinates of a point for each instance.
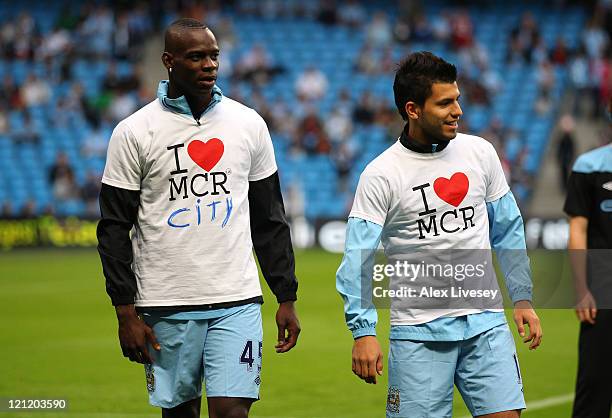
(192, 241)
(429, 202)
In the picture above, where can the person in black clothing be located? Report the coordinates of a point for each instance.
(565, 151)
(589, 206)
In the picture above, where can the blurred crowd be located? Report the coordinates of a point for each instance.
(110, 36)
(117, 34)
(50, 85)
(589, 66)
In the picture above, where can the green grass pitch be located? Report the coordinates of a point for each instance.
(59, 340)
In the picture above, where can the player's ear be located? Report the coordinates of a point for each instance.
(167, 60)
(413, 110)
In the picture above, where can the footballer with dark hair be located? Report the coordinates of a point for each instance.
(436, 192)
(190, 188)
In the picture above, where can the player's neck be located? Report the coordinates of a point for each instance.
(197, 104)
(416, 134)
(415, 139)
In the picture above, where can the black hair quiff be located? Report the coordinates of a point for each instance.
(415, 76)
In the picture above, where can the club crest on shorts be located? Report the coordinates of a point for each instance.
(393, 400)
(258, 378)
(150, 376)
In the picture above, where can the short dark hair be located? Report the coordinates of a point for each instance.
(179, 25)
(415, 76)
(187, 23)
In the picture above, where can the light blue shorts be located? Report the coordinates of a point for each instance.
(484, 368)
(225, 351)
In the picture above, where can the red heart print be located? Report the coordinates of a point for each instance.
(452, 191)
(206, 154)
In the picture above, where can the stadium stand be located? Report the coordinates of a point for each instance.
(67, 78)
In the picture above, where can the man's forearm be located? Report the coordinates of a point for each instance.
(362, 239)
(118, 209)
(271, 237)
(120, 280)
(577, 246)
(507, 238)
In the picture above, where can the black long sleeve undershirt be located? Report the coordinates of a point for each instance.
(119, 211)
(271, 237)
(269, 233)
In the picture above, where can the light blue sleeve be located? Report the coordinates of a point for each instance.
(362, 239)
(507, 237)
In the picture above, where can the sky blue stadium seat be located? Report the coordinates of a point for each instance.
(70, 208)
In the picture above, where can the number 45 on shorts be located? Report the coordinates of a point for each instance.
(247, 354)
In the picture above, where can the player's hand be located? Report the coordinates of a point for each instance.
(288, 327)
(367, 358)
(524, 314)
(586, 308)
(134, 335)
